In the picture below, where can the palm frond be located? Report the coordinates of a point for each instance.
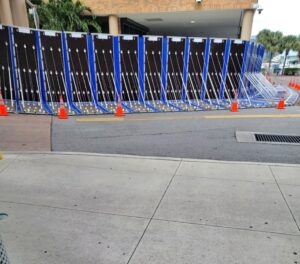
(66, 15)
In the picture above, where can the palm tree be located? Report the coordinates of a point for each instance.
(271, 41)
(288, 43)
(298, 47)
(66, 15)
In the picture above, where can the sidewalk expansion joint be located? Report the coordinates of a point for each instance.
(146, 228)
(291, 212)
(9, 163)
(75, 210)
(225, 227)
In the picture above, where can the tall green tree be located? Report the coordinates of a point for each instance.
(67, 15)
(288, 43)
(271, 41)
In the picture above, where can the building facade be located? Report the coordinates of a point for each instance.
(201, 18)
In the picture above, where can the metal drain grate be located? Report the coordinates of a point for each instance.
(277, 138)
(265, 138)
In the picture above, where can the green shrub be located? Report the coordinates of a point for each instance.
(292, 71)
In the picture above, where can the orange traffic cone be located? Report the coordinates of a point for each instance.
(62, 110)
(281, 103)
(119, 110)
(3, 111)
(234, 106)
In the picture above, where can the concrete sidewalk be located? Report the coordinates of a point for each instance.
(75, 208)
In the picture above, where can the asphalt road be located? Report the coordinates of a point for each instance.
(182, 135)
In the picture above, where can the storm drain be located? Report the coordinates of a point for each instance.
(255, 137)
(277, 138)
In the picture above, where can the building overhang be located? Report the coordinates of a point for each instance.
(212, 23)
(213, 18)
(117, 7)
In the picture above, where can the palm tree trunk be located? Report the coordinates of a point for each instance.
(284, 62)
(270, 60)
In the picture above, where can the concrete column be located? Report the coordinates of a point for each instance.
(5, 12)
(247, 24)
(114, 25)
(19, 13)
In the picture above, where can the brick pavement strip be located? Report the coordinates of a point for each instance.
(25, 132)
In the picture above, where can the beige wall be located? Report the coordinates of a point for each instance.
(247, 24)
(13, 12)
(114, 25)
(5, 12)
(105, 7)
(19, 13)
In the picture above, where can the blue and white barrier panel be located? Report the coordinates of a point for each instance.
(148, 73)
